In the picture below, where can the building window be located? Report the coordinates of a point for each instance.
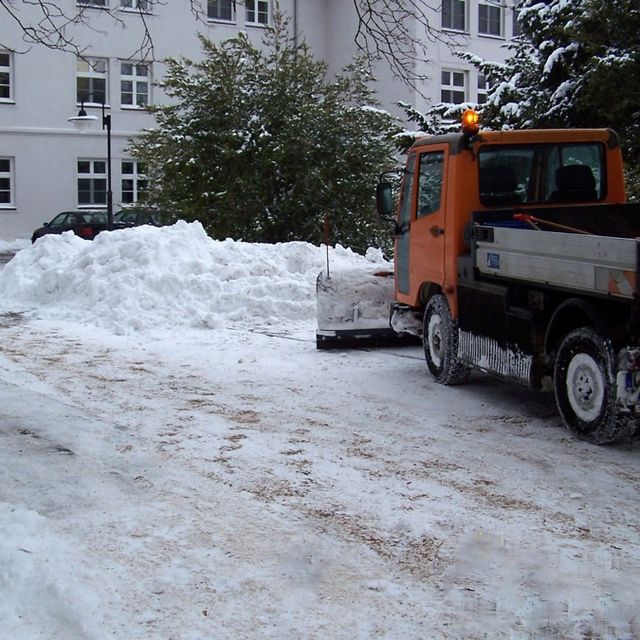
(220, 10)
(6, 182)
(93, 3)
(489, 19)
(453, 87)
(91, 80)
(517, 29)
(92, 182)
(258, 11)
(134, 181)
(5, 76)
(483, 87)
(454, 14)
(138, 5)
(135, 82)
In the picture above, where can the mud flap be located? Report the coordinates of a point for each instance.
(353, 310)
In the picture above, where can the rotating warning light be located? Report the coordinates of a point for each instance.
(470, 122)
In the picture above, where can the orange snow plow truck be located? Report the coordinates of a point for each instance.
(517, 255)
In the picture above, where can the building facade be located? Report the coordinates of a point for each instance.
(47, 166)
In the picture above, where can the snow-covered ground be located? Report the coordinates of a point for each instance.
(178, 461)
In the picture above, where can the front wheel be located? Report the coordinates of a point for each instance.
(440, 339)
(585, 388)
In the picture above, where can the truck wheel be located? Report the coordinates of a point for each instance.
(585, 388)
(440, 339)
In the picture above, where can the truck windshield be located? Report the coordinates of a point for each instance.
(519, 174)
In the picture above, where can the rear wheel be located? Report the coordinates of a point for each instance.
(440, 339)
(585, 388)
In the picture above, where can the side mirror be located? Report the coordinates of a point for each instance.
(45, 225)
(384, 200)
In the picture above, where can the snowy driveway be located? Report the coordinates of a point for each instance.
(239, 485)
(178, 462)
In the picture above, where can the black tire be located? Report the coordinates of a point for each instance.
(440, 341)
(584, 383)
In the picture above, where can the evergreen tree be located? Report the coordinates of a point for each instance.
(259, 144)
(576, 64)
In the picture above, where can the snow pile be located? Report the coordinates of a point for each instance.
(42, 595)
(147, 277)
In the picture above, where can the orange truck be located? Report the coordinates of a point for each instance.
(516, 254)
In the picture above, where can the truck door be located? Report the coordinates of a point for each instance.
(403, 227)
(428, 227)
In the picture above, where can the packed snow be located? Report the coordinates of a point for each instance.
(180, 462)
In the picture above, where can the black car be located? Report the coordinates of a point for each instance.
(137, 217)
(85, 224)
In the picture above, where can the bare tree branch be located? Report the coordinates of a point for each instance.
(398, 32)
(46, 23)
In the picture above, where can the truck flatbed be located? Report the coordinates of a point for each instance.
(590, 263)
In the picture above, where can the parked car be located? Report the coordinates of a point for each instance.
(85, 224)
(136, 217)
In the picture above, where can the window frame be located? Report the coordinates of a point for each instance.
(230, 20)
(92, 176)
(491, 7)
(9, 72)
(93, 4)
(482, 88)
(92, 75)
(451, 87)
(10, 175)
(452, 14)
(516, 29)
(253, 6)
(137, 177)
(135, 6)
(133, 79)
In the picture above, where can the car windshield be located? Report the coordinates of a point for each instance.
(95, 217)
(144, 216)
(164, 217)
(126, 216)
(59, 219)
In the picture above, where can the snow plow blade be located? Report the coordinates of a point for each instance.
(362, 339)
(353, 310)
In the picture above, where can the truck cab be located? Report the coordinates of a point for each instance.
(447, 178)
(516, 255)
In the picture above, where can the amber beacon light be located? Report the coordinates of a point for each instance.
(470, 122)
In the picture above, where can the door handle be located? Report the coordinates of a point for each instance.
(436, 231)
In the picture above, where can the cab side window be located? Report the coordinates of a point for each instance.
(404, 215)
(430, 183)
(59, 221)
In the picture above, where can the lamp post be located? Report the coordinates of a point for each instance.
(82, 123)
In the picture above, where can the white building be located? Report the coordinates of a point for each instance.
(47, 166)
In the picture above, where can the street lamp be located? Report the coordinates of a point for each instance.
(82, 123)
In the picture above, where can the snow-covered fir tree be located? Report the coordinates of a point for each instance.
(576, 64)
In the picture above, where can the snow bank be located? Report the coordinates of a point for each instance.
(147, 277)
(39, 569)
